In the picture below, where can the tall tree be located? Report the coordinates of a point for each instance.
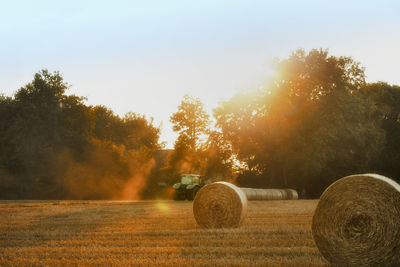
(190, 121)
(308, 127)
(219, 158)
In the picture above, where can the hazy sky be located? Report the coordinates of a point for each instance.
(143, 56)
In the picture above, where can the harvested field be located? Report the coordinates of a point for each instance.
(73, 233)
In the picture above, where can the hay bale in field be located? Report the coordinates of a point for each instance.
(276, 194)
(269, 194)
(263, 194)
(250, 193)
(219, 205)
(357, 221)
(292, 194)
(284, 193)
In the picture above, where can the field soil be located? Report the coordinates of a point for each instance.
(148, 233)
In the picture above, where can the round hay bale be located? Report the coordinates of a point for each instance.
(260, 194)
(357, 221)
(269, 194)
(284, 193)
(250, 193)
(292, 194)
(266, 195)
(254, 194)
(220, 205)
(277, 194)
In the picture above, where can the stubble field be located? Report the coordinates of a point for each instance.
(79, 233)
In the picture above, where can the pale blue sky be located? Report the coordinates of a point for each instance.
(143, 56)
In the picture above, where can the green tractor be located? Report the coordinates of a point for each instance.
(188, 186)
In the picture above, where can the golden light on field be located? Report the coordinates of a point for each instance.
(162, 206)
(153, 233)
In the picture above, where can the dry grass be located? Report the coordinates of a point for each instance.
(76, 233)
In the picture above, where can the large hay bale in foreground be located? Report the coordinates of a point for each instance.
(219, 205)
(357, 221)
(269, 194)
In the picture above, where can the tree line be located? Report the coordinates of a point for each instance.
(53, 146)
(316, 121)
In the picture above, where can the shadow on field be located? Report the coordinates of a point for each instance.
(56, 221)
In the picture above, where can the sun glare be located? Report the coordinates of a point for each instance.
(162, 206)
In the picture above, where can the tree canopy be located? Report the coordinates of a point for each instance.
(55, 146)
(308, 127)
(386, 100)
(316, 121)
(190, 121)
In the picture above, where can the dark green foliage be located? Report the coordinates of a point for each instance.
(54, 146)
(387, 100)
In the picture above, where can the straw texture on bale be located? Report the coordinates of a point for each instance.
(357, 221)
(269, 194)
(292, 194)
(219, 205)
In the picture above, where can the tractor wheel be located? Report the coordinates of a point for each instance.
(178, 196)
(192, 193)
